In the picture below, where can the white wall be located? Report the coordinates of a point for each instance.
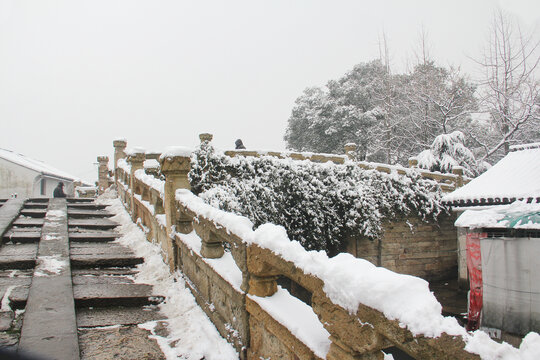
(26, 183)
(16, 179)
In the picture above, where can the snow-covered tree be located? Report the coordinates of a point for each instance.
(448, 151)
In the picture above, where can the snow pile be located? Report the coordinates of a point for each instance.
(191, 334)
(122, 164)
(350, 281)
(151, 164)
(151, 181)
(135, 150)
(518, 215)
(173, 151)
(319, 204)
(299, 318)
(50, 265)
(515, 176)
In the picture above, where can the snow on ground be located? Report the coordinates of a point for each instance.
(191, 333)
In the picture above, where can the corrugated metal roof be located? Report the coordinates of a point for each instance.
(516, 176)
(35, 165)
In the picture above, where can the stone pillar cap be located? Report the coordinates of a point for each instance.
(103, 158)
(206, 137)
(175, 151)
(121, 143)
(175, 159)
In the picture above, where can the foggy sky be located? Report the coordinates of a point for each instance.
(74, 75)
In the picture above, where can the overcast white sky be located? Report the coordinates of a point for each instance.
(74, 75)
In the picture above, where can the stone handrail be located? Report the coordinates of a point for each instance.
(232, 270)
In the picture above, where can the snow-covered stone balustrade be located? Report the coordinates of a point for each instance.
(447, 182)
(355, 309)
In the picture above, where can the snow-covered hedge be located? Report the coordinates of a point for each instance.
(318, 204)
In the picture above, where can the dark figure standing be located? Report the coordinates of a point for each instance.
(239, 144)
(59, 191)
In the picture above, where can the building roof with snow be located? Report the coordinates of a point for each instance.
(35, 165)
(515, 177)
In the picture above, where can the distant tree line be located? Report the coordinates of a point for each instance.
(392, 117)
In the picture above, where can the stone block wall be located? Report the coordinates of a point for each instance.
(411, 246)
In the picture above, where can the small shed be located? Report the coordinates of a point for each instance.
(21, 176)
(499, 242)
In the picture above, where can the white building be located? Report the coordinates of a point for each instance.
(24, 177)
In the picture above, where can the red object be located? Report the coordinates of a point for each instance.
(474, 265)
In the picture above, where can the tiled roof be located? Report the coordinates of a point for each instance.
(515, 177)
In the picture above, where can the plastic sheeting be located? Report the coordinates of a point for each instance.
(511, 284)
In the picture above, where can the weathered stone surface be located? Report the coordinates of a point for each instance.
(92, 279)
(18, 256)
(102, 224)
(104, 271)
(81, 235)
(94, 317)
(104, 260)
(126, 342)
(50, 299)
(86, 213)
(19, 236)
(35, 213)
(6, 319)
(114, 295)
(86, 206)
(28, 221)
(8, 213)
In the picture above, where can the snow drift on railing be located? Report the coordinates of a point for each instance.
(350, 281)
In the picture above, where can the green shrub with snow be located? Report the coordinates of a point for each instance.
(318, 204)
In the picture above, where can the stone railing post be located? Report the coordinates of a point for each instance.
(136, 160)
(206, 137)
(119, 153)
(175, 166)
(458, 170)
(350, 150)
(262, 277)
(413, 162)
(103, 173)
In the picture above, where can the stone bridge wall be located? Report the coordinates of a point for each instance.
(232, 270)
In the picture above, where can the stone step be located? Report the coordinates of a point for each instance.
(88, 279)
(18, 297)
(106, 260)
(86, 206)
(110, 271)
(18, 256)
(35, 213)
(18, 236)
(79, 200)
(97, 316)
(35, 205)
(102, 224)
(90, 248)
(84, 213)
(8, 213)
(28, 222)
(104, 295)
(93, 236)
(121, 343)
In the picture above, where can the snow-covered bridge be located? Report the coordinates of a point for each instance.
(157, 273)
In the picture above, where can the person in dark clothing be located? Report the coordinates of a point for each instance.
(59, 191)
(239, 144)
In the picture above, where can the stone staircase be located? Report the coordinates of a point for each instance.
(67, 289)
